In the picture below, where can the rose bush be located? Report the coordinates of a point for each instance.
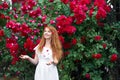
(86, 39)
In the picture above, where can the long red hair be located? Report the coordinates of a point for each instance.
(55, 43)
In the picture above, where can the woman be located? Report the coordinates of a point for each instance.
(47, 55)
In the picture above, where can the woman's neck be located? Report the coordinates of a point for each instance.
(48, 43)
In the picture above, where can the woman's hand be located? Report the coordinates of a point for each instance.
(26, 57)
(55, 61)
(49, 63)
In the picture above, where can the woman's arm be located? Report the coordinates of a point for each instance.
(32, 60)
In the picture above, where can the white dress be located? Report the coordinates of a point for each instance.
(44, 71)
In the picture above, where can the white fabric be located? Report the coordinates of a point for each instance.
(44, 71)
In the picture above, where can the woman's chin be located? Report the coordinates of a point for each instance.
(47, 38)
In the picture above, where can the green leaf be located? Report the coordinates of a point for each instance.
(7, 32)
(40, 1)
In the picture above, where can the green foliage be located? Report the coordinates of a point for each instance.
(80, 55)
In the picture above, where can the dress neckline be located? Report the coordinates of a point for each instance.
(47, 47)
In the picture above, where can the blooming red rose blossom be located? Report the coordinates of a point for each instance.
(104, 45)
(66, 53)
(97, 38)
(74, 41)
(97, 56)
(83, 39)
(29, 45)
(61, 39)
(5, 5)
(1, 33)
(66, 45)
(65, 1)
(87, 75)
(51, 0)
(113, 57)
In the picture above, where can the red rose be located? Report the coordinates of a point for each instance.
(51, 0)
(61, 39)
(80, 14)
(35, 13)
(77, 61)
(101, 13)
(1, 7)
(113, 57)
(7, 17)
(63, 22)
(52, 21)
(66, 53)
(2, 16)
(14, 60)
(5, 5)
(70, 30)
(12, 45)
(74, 41)
(87, 76)
(31, 4)
(97, 38)
(99, 3)
(44, 18)
(97, 56)
(85, 1)
(91, 12)
(67, 45)
(107, 8)
(65, 1)
(29, 44)
(24, 8)
(25, 29)
(1, 33)
(15, 16)
(100, 24)
(83, 39)
(104, 45)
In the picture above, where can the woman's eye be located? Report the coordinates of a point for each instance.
(45, 31)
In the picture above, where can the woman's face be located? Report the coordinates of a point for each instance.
(47, 33)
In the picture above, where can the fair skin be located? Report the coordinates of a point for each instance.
(47, 35)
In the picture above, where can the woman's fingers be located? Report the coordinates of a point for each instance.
(49, 63)
(23, 56)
